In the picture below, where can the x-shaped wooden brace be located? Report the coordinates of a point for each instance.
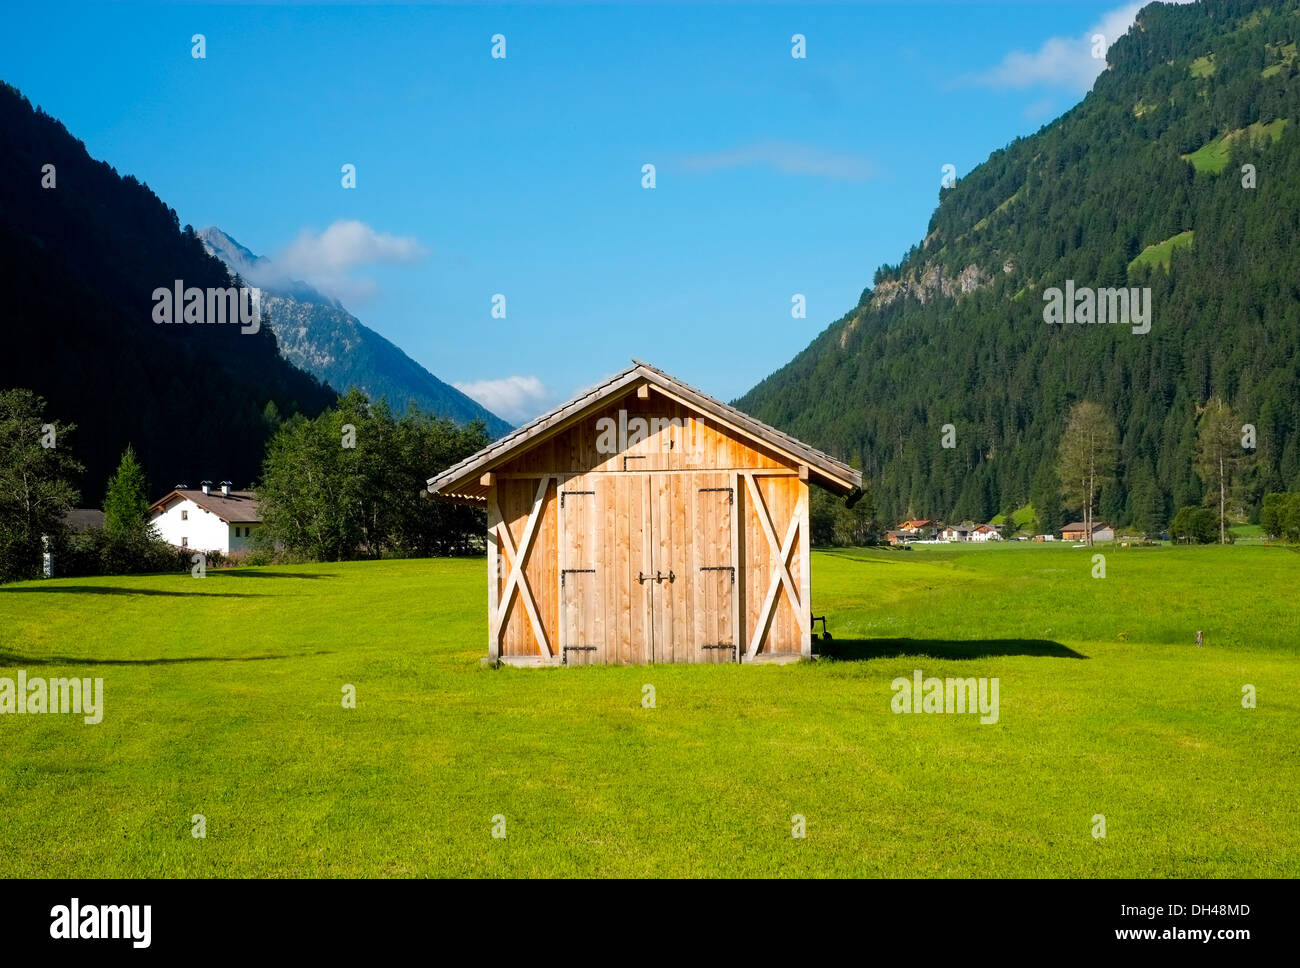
(517, 580)
(782, 574)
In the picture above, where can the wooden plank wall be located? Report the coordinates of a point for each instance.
(541, 566)
(574, 451)
(783, 498)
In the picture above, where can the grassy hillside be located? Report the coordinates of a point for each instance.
(1111, 194)
(1162, 253)
(1212, 158)
(222, 698)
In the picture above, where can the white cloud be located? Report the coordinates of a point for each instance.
(328, 260)
(786, 157)
(513, 398)
(1066, 62)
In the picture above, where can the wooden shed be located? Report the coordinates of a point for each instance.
(644, 521)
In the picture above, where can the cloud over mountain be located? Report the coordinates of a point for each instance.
(1065, 62)
(322, 261)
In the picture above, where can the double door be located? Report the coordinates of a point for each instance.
(647, 569)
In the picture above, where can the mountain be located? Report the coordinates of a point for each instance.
(82, 251)
(1142, 185)
(318, 335)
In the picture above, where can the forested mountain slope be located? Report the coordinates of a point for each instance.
(79, 263)
(1139, 185)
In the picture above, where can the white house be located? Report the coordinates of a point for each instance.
(955, 533)
(207, 520)
(985, 532)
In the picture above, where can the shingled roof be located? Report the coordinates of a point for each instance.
(239, 507)
(460, 481)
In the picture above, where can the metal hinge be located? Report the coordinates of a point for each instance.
(730, 568)
(731, 495)
(632, 457)
(564, 494)
(564, 573)
(575, 648)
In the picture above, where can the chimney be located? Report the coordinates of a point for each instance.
(207, 487)
(225, 488)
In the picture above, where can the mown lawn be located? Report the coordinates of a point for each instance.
(223, 698)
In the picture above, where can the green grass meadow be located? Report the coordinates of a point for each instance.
(223, 698)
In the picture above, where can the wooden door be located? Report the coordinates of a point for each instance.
(648, 570)
(692, 601)
(628, 583)
(714, 582)
(670, 570)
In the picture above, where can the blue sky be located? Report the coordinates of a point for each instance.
(522, 176)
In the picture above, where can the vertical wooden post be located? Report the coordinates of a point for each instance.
(494, 573)
(805, 570)
(737, 633)
(561, 563)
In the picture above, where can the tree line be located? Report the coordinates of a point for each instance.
(1088, 461)
(348, 483)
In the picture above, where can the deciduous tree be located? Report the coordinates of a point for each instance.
(36, 490)
(1219, 455)
(1087, 458)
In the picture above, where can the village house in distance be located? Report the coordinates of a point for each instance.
(1078, 531)
(930, 532)
(224, 520)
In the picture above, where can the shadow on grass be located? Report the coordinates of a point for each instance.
(242, 573)
(883, 556)
(856, 650)
(113, 590)
(14, 659)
